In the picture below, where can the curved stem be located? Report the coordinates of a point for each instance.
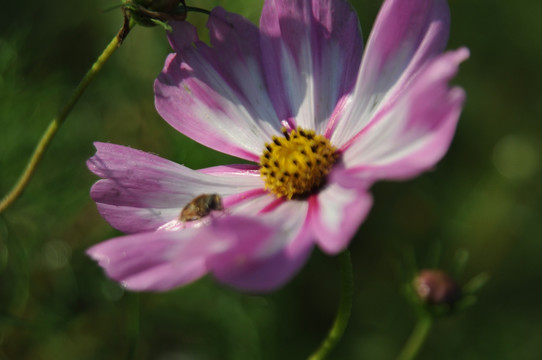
(55, 124)
(417, 338)
(343, 313)
(199, 10)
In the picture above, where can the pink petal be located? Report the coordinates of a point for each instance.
(280, 259)
(248, 203)
(162, 260)
(336, 214)
(405, 36)
(232, 170)
(141, 191)
(130, 219)
(217, 95)
(311, 52)
(417, 132)
(149, 261)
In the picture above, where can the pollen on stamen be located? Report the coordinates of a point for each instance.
(302, 153)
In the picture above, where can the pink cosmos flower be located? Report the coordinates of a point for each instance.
(320, 123)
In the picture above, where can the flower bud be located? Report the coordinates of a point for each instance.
(166, 6)
(435, 287)
(153, 12)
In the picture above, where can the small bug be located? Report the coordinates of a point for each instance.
(201, 206)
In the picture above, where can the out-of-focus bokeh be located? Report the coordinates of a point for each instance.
(484, 199)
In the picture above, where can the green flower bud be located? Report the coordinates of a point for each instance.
(166, 6)
(155, 12)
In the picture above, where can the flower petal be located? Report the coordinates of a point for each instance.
(162, 260)
(405, 36)
(416, 133)
(217, 95)
(335, 215)
(284, 254)
(141, 191)
(311, 52)
(149, 261)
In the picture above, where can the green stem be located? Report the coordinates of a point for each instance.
(55, 124)
(199, 10)
(417, 338)
(343, 313)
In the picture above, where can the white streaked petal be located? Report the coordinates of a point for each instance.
(141, 191)
(406, 35)
(312, 52)
(335, 215)
(217, 95)
(412, 136)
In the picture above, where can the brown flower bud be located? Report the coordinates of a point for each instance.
(435, 287)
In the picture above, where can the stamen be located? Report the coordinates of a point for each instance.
(296, 164)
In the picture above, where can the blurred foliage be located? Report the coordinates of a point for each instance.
(484, 198)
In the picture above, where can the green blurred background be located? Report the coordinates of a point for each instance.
(483, 199)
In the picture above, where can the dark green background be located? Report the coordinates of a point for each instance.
(484, 198)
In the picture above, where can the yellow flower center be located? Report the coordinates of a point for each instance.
(296, 164)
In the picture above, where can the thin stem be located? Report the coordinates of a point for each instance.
(417, 338)
(343, 312)
(195, 9)
(55, 124)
